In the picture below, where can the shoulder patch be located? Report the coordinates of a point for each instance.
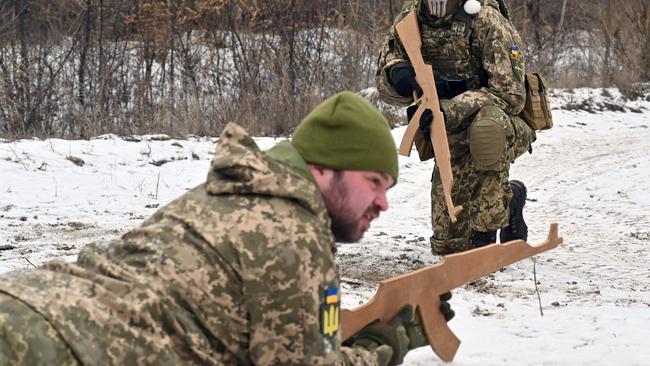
(515, 53)
(517, 61)
(330, 310)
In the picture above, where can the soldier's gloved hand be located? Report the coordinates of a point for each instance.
(402, 334)
(445, 308)
(377, 336)
(425, 119)
(413, 324)
(402, 77)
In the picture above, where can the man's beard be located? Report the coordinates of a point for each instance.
(344, 224)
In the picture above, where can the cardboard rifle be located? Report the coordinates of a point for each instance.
(409, 33)
(421, 289)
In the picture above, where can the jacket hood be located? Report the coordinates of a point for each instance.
(240, 167)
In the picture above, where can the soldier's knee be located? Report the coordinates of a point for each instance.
(487, 138)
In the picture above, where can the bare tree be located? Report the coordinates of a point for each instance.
(75, 68)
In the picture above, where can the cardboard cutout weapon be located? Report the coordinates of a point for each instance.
(409, 33)
(422, 288)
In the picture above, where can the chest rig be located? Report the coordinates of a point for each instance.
(448, 46)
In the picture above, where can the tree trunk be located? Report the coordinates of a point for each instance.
(23, 69)
(85, 44)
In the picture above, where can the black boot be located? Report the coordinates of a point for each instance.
(479, 239)
(516, 228)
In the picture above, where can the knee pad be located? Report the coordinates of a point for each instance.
(487, 142)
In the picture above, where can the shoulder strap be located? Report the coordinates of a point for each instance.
(503, 8)
(462, 16)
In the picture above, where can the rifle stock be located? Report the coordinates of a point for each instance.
(421, 289)
(409, 33)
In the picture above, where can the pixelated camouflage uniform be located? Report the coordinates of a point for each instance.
(233, 272)
(487, 59)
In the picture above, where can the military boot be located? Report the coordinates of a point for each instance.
(479, 239)
(516, 228)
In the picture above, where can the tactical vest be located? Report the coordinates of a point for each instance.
(448, 46)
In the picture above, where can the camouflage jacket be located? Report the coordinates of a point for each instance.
(488, 57)
(238, 271)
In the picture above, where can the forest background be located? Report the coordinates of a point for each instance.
(81, 68)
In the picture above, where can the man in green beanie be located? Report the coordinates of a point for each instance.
(238, 271)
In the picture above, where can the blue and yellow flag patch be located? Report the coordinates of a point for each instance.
(331, 295)
(330, 311)
(516, 54)
(517, 61)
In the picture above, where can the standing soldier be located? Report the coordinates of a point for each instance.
(238, 271)
(478, 66)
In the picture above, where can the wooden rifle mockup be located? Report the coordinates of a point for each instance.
(409, 33)
(422, 288)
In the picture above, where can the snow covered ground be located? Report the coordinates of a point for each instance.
(590, 174)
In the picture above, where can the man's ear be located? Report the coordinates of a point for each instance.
(322, 175)
(316, 168)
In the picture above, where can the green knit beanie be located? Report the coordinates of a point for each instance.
(346, 132)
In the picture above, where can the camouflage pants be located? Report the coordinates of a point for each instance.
(27, 338)
(483, 193)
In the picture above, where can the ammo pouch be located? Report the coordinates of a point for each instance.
(537, 110)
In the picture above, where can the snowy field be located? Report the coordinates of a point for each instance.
(590, 173)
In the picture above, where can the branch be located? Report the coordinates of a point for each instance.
(18, 158)
(539, 298)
